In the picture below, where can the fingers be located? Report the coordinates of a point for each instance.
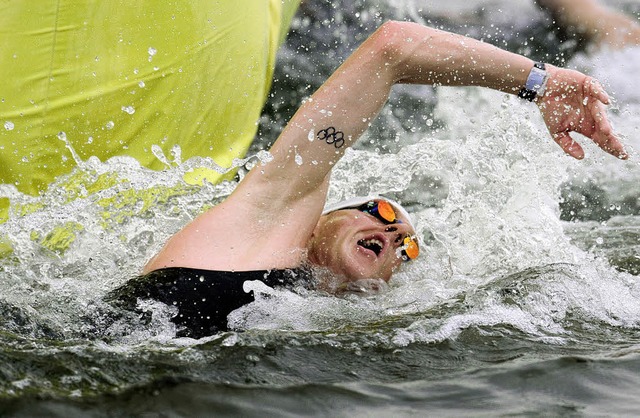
(595, 89)
(603, 134)
(611, 144)
(600, 119)
(569, 146)
(595, 100)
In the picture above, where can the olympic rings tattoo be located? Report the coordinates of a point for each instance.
(331, 136)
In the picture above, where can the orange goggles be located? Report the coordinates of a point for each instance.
(384, 211)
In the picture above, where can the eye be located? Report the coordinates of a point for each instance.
(390, 229)
(377, 218)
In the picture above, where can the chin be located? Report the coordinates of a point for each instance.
(355, 271)
(363, 266)
(339, 284)
(346, 265)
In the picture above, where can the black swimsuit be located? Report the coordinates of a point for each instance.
(204, 298)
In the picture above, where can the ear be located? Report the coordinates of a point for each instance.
(321, 221)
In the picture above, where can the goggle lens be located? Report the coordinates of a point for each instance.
(411, 249)
(382, 210)
(386, 212)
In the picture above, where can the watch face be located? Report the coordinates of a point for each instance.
(536, 79)
(536, 82)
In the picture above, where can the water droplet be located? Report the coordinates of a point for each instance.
(230, 341)
(599, 240)
(141, 84)
(264, 156)
(110, 125)
(9, 126)
(128, 109)
(152, 51)
(298, 159)
(62, 136)
(159, 154)
(311, 136)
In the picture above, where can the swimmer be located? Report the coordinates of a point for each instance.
(275, 227)
(598, 24)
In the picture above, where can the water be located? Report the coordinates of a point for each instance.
(526, 300)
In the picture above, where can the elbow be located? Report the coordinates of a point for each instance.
(394, 42)
(389, 40)
(392, 31)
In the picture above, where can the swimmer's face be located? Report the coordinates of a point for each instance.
(356, 245)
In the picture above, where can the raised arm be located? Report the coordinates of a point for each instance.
(268, 220)
(401, 52)
(594, 21)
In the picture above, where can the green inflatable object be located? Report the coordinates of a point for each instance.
(114, 77)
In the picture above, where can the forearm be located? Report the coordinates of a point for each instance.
(575, 13)
(594, 21)
(442, 58)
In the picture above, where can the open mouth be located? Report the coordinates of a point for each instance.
(372, 244)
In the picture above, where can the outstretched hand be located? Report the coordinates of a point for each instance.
(574, 102)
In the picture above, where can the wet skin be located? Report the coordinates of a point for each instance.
(356, 245)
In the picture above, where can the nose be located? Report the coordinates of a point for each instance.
(399, 227)
(397, 232)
